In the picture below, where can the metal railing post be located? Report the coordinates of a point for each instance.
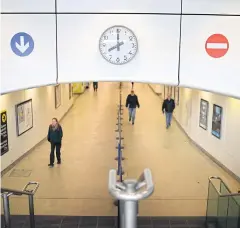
(31, 211)
(7, 192)
(130, 214)
(128, 193)
(122, 216)
(6, 209)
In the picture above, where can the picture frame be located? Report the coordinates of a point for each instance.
(176, 95)
(4, 133)
(70, 91)
(24, 117)
(167, 89)
(58, 96)
(203, 114)
(217, 121)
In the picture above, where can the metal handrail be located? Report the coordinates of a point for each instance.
(25, 190)
(7, 192)
(220, 194)
(119, 146)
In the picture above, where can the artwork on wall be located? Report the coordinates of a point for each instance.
(168, 90)
(24, 117)
(176, 95)
(58, 97)
(216, 121)
(70, 91)
(4, 133)
(203, 117)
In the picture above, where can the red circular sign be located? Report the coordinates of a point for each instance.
(217, 45)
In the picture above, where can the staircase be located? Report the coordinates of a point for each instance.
(223, 211)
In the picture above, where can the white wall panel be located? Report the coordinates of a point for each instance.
(198, 69)
(211, 7)
(122, 6)
(80, 60)
(13, 6)
(39, 67)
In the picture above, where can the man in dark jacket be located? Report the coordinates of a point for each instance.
(168, 107)
(55, 135)
(95, 86)
(131, 104)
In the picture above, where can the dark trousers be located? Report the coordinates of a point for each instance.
(58, 152)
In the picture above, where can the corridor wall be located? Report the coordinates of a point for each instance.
(180, 42)
(224, 150)
(43, 105)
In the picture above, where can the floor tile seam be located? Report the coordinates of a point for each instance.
(97, 222)
(61, 222)
(79, 222)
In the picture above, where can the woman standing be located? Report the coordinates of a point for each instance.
(55, 135)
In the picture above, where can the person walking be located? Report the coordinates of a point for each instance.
(168, 107)
(132, 84)
(131, 103)
(95, 86)
(55, 135)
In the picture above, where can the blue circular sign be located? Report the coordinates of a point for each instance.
(22, 44)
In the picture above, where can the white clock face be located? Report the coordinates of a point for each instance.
(118, 45)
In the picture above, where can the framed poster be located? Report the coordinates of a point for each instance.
(24, 116)
(176, 95)
(203, 116)
(217, 121)
(70, 91)
(58, 97)
(167, 90)
(4, 133)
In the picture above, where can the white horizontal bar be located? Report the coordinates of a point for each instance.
(217, 45)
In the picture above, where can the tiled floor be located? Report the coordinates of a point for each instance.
(107, 222)
(78, 187)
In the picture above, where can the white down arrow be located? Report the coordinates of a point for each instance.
(22, 47)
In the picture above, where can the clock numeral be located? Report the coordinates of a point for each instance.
(118, 60)
(130, 53)
(111, 31)
(130, 38)
(118, 30)
(110, 57)
(133, 45)
(105, 37)
(125, 58)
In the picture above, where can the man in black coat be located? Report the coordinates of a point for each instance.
(131, 104)
(168, 107)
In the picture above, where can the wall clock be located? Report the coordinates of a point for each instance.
(118, 45)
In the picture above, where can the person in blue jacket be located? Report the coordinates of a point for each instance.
(131, 103)
(55, 134)
(168, 107)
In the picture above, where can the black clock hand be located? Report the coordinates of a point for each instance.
(116, 46)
